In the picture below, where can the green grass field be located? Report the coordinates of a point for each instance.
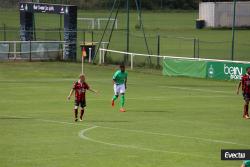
(213, 43)
(169, 121)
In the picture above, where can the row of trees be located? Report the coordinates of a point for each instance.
(106, 4)
(145, 4)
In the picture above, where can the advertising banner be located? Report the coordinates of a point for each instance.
(226, 70)
(221, 70)
(180, 67)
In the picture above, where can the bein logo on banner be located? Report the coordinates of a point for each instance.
(235, 154)
(233, 72)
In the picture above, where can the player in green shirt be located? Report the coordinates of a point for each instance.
(246, 163)
(120, 86)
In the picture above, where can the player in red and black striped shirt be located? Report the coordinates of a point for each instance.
(80, 87)
(245, 85)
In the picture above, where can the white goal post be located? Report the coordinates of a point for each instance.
(99, 20)
(94, 23)
(90, 21)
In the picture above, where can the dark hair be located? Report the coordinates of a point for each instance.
(122, 65)
(247, 68)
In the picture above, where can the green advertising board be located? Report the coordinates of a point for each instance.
(226, 70)
(222, 70)
(180, 67)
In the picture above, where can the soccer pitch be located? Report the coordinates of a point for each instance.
(170, 121)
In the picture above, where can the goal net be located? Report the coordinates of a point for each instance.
(86, 23)
(101, 23)
(97, 23)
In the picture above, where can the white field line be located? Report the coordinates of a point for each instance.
(161, 86)
(107, 81)
(178, 136)
(137, 131)
(195, 89)
(162, 98)
(83, 136)
(52, 80)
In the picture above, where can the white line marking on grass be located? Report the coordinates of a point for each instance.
(151, 133)
(195, 89)
(13, 116)
(164, 97)
(178, 136)
(138, 131)
(82, 134)
(59, 122)
(50, 80)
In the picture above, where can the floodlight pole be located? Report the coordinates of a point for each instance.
(233, 29)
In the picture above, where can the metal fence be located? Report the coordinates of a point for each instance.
(32, 50)
(158, 44)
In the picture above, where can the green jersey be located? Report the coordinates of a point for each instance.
(120, 77)
(247, 163)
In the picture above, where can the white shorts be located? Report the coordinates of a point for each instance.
(118, 89)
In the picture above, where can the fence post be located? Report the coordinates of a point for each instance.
(30, 51)
(92, 37)
(132, 61)
(198, 48)
(116, 24)
(84, 36)
(90, 54)
(93, 24)
(103, 56)
(63, 51)
(60, 35)
(194, 47)
(4, 32)
(14, 50)
(158, 50)
(100, 56)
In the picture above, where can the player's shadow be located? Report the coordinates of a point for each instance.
(111, 121)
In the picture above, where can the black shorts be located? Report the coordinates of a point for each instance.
(82, 103)
(246, 96)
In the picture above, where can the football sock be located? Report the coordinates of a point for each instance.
(115, 97)
(76, 113)
(246, 110)
(122, 101)
(82, 112)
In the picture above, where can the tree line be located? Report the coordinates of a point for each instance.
(107, 4)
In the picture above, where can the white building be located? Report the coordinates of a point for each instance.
(220, 14)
